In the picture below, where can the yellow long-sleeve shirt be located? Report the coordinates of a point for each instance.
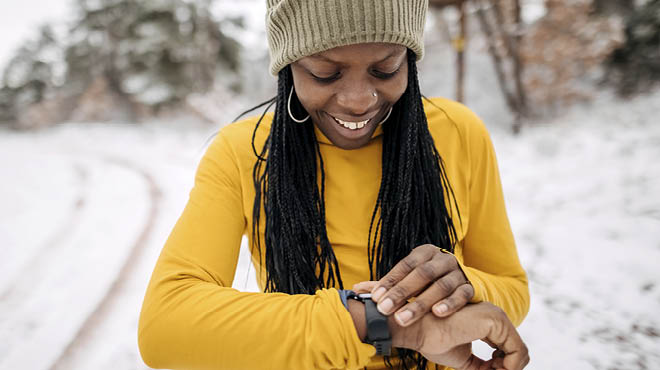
(192, 318)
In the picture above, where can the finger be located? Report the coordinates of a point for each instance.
(516, 361)
(459, 298)
(518, 358)
(475, 363)
(497, 359)
(487, 365)
(498, 353)
(436, 292)
(498, 363)
(423, 276)
(507, 339)
(364, 286)
(490, 343)
(418, 256)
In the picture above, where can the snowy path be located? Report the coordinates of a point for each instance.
(58, 272)
(78, 242)
(85, 210)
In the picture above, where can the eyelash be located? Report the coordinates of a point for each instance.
(379, 75)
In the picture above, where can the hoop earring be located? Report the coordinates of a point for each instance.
(289, 109)
(386, 117)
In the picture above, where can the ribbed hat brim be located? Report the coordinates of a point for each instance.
(299, 28)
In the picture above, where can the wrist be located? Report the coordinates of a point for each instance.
(356, 309)
(402, 337)
(372, 327)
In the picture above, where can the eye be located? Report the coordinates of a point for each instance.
(385, 75)
(326, 80)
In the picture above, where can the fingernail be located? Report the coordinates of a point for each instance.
(441, 308)
(378, 293)
(385, 306)
(404, 317)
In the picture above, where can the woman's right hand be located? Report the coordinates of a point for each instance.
(447, 341)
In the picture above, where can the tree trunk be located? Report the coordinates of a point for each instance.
(459, 44)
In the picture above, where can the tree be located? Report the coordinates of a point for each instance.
(31, 74)
(157, 52)
(563, 53)
(135, 55)
(635, 65)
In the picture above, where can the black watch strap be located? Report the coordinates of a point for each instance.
(378, 331)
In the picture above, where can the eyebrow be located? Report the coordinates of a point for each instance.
(319, 56)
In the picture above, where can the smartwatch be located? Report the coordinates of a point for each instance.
(378, 331)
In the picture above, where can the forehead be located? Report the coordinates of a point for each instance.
(367, 53)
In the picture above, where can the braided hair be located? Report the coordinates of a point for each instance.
(410, 209)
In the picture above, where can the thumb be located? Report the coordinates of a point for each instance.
(364, 286)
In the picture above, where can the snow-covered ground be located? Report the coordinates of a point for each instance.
(87, 207)
(583, 194)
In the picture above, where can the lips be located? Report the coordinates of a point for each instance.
(352, 125)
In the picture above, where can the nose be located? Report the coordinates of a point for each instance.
(357, 98)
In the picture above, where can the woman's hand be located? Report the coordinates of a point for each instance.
(447, 341)
(430, 275)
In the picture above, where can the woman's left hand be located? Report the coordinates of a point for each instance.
(430, 275)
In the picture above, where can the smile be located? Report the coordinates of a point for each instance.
(352, 125)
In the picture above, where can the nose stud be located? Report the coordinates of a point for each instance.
(374, 94)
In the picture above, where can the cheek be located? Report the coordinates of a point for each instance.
(309, 96)
(394, 89)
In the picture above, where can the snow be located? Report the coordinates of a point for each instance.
(155, 93)
(532, 10)
(252, 12)
(584, 204)
(20, 21)
(85, 209)
(581, 190)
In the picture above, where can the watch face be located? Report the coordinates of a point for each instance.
(365, 295)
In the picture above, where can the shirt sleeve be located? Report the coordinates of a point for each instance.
(191, 317)
(490, 259)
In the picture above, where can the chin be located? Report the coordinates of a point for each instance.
(344, 137)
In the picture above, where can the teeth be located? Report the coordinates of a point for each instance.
(352, 125)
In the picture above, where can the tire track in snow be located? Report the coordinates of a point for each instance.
(41, 256)
(137, 250)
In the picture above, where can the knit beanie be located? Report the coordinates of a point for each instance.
(300, 28)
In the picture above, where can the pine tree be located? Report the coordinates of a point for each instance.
(138, 55)
(31, 74)
(635, 66)
(156, 51)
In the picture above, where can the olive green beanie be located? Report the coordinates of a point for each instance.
(299, 28)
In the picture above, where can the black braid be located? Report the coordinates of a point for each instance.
(296, 239)
(410, 209)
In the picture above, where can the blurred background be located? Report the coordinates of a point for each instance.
(106, 107)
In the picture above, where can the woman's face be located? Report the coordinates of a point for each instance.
(348, 90)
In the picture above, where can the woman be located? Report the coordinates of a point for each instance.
(354, 181)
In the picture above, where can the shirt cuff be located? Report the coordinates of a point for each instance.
(343, 295)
